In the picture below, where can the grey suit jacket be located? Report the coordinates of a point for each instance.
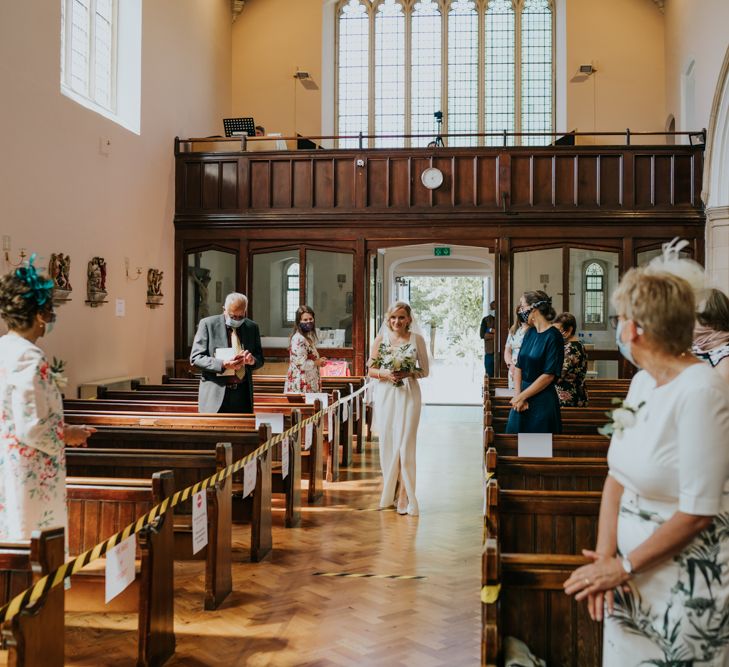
(212, 334)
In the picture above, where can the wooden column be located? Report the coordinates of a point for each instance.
(504, 305)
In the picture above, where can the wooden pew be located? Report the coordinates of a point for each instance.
(554, 522)
(529, 603)
(547, 474)
(590, 446)
(35, 637)
(186, 466)
(98, 508)
(129, 431)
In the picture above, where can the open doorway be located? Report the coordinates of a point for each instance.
(449, 293)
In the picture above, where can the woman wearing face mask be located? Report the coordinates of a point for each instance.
(535, 406)
(711, 333)
(571, 383)
(32, 431)
(303, 376)
(513, 345)
(660, 571)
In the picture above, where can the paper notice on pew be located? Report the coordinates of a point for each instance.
(199, 521)
(276, 419)
(120, 569)
(308, 436)
(534, 444)
(323, 397)
(503, 392)
(250, 470)
(284, 458)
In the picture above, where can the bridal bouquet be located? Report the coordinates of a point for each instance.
(396, 359)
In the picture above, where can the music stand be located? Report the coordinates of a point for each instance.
(236, 127)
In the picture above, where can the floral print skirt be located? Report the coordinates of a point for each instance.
(675, 614)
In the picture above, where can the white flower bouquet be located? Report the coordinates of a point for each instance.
(622, 417)
(395, 359)
(58, 366)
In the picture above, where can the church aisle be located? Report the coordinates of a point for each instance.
(281, 614)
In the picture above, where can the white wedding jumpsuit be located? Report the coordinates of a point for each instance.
(397, 414)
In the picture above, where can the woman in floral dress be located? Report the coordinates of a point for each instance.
(571, 384)
(303, 376)
(32, 431)
(659, 576)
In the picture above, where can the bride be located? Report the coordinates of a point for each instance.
(397, 403)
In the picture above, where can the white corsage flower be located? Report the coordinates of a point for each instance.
(57, 375)
(624, 416)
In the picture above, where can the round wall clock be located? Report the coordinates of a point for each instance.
(432, 178)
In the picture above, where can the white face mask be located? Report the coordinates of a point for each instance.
(231, 322)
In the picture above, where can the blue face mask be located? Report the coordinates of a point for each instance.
(625, 348)
(232, 322)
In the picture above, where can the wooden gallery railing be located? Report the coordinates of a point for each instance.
(215, 177)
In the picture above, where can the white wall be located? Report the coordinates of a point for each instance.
(57, 193)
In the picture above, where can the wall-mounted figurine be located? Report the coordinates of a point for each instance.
(96, 282)
(154, 288)
(59, 269)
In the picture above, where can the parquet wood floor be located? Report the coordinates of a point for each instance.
(281, 614)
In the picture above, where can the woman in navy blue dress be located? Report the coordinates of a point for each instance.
(535, 406)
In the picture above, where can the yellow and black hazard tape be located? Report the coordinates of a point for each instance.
(71, 567)
(368, 575)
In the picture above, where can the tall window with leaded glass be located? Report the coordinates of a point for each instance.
(595, 295)
(291, 293)
(487, 65)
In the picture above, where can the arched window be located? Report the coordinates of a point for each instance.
(594, 309)
(291, 291)
(487, 65)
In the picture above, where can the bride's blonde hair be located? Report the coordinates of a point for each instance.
(398, 305)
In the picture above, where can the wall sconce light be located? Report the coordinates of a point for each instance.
(341, 279)
(6, 252)
(587, 69)
(298, 74)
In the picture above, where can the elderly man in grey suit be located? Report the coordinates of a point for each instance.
(227, 348)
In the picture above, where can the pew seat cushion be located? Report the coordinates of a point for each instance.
(517, 654)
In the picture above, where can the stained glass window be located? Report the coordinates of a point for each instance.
(594, 295)
(536, 70)
(425, 77)
(390, 73)
(499, 69)
(462, 71)
(353, 73)
(292, 291)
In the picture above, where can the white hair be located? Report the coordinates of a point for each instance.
(236, 297)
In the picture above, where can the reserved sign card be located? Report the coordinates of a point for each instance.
(503, 392)
(199, 521)
(250, 470)
(308, 436)
(534, 444)
(284, 458)
(323, 397)
(120, 569)
(276, 419)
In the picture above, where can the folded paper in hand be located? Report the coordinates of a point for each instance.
(225, 354)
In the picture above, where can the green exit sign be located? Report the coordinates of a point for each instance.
(442, 252)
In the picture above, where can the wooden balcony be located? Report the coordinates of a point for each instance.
(646, 182)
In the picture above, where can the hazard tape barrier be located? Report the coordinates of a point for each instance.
(71, 567)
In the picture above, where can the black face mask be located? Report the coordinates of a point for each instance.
(524, 315)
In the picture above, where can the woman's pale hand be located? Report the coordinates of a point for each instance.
(602, 575)
(76, 436)
(519, 404)
(398, 376)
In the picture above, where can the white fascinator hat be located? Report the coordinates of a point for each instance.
(670, 261)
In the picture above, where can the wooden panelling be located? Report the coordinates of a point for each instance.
(323, 183)
(302, 195)
(399, 183)
(377, 183)
(344, 180)
(487, 181)
(193, 194)
(611, 181)
(521, 180)
(587, 181)
(561, 178)
(420, 195)
(643, 176)
(464, 180)
(260, 184)
(543, 181)
(564, 174)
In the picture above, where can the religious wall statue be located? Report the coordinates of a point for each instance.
(59, 268)
(96, 281)
(201, 278)
(154, 287)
